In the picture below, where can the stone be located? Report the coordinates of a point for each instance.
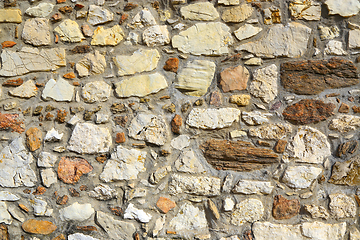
(159, 174)
(234, 78)
(189, 218)
(342, 206)
(272, 15)
(300, 176)
(237, 133)
(5, 217)
(142, 60)
(140, 85)
(237, 156)
(309, 145)
(237, 14)
(354, 234)
(346, 8)
(240, 100)
(353, 40)
(70, 169)
(40, 207)
(171, 65)
(264, 84)
(165, 204)
(48, 177)
(159, 225)
(53, 136)
(91, 64)
(213, 208)
(8, 196)
(317, 211)
(36, 31)
(90, 139)
(344, 108)
(196, 185)
(249, 210)
(80, 236)
(69, 31)
(248, 187)
(247, 31)
(289, 40)
(346, 173)
(346, 149)
(60, 90)
(212, 118)
(133, 213)
(107, 36)
(116, 229)
(98, 91)
(41, 10)
(180, 142)
(284, 208)
(25, 90)
(307, 10)
(99, 15)
(327, 33)
(76, 212)
(87, 31)
(314, 76)
(271, 131)
(255, 117)
(228, 205)
(33, 138)
(229, 2)
(344, 123)
(323, 231)
(156, 36)
(254, 62)
(8, 15)
(144, 18)
(334, 48)
(103, 192)
(11, 121)
(149, 128)
(201, 11)
(188, 162)
(10, 106)
(46, 159)
(211, 39)
(124, 164)
(21, 62)
(38, 227)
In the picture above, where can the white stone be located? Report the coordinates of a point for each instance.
(189, 218)
(74, 120)
(265, 83)
(267, 230)
(91, 64)
(102, 118)
(210, 118)
(41, 10)
(5, 217)
(247, 31)
(143, 18)
(304, 9)
(107, 36)
(345, 123)
(271, 131)
(345, 8)
(238, 133)
(317, 211)
(124, 164)
(159, 174)
(254, 62)
(309, 145)
(229, 2)
(180, 142)
(80, 236)
(48, 177)
(36, 31)
(25, 90)
(188, 162)
(255, 117)
(76, 212)
(116, 229)
(323, 231)
(342, 206)
(334, 47)
(46, 159)
(249, 210)
(228, 204)
(133, 213)
(354, 39)
(253, 187)
(90, 139)
(98, 91)
(327, 33)
(300, 176)
(156, 36)
(69, 31)
(204, 186)
(230, 238)
(8, 196)
(40, 207)
(16, 213)
(159, 224)
(103, 192)
(60, 90)
(354, 234)
(204, 11)
(98, 15)
(53, 136)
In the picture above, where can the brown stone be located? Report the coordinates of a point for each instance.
(237, 156)
(86, 228)
(74, 192)
(308, 111)
(81, 49)
(215, 99)
(176, 123)
(130, 6)
(171, 65)
(234, 78)
(37, 110)
(10, 121)
(8, 44)
(314, 76)
(69, 75)
(38, 227)
(120, 137)
(280, 146)
(83, 188)
(116, 211)
(123, 18)
(49, 117)
(248, 235)
(117, 108)
(214, 210)
(56, 17)
(61, 115)
(347, 148)
(60, 237)
(79, 6)
(70, 169)
(60, 1)
(344, 108)
(199, 102)
(13, 82)
(23, 207)
(86, 30)
(185, 107)
(9, 3)
(65, 9)
(4, 234)
(137, 236)
(62, 200)
(346, 173)
(39, 190)
(356, 109)
(102, 158)
(33, 138)
(165, 204)
(285, 209)
(121, 120)
(263, 143)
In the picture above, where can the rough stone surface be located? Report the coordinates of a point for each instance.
(303, 9)
(300, 176)
(25, 90)
(203, 186)
(213, 118)
(60, 90)
(284, 208)
(271, 131)
(342, 206)
(36, 32)
(69, 31)
(91, 64)
(255, 117)
(188, 162)
(10, 15)
(98, 91)
(70, 169)
(99, 15)
(107, 36)
(115, 228)
(317, 211)
(76, 212)
(41, 10)
(203, 11)
(346, 173)
(249, 210)
(264, 84)
(346, 8)
(247, 31)
(253, 187)
(237, 14)
(234, 78)
(345, 123)
(156, 36)
(33, 138)
(38, 227)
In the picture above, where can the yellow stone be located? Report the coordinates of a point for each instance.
(10, 15)
(240, 100)
(110, 36)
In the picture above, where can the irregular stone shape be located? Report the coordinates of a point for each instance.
(345, 123)
(300, 176)
(53, 136)
(229, 2)
(234, 78)
(76, 212)
(197, 185)
(317, 211)
(36, 31)
(91, 64)
(342, 206)
(345, 8)
(290, 40)
(38, 227)
(253, 187)
(212, 118)
(90, 139)
(8, 15)
(237, 156)
(171, 65)
(237, 14)
(99, 15)
(309, 145)
(353, 40)
(140, 85)
(5, 217)
(133, 213)
(180, 142)
(143, 60)
(247, 31)
(98, 91)
(124, 164)
(346, 173)
(103, 192)
(41, 10)
(264, 84)
(80, 236)
(165, 204)
(249, 210)
(148, 127)
(271, 131)
(347, 148)
(159, 174)
(48, 177)
(327, 33)
(107, 37)
(143, 18)
(11, 121)
(255, 117)
(15, 165)
(307, 10)
(69, 31)
(228, 204)
(308, 111)
(323, 231)
(156, 36)
(314, 76)
(284, 208)
(188, 162)
(33, 138)
(334, 48)
(354, 234)
(8, 196)
(116, 229)
(189, 218)
(22, 62)
(60, 90)
(210, 39)
(203, 11)
(40, 207)
(70, 169)
(26, 90)
(240, 100)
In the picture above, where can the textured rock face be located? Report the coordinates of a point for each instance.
(76, 212)
(115, 228)
(38, 227)
(70, 169)
(213, 118)
(204, 11)
(237, 14)
(253, 187)
(69, 31)
(107, 36)
(345, 123)
(98, 15)
(271, 131)
(41, 10)
(59, 90)
(203, 186)
(346, 8)
(98, 91)
(91, 64)
(342, 206)
(346, 173)
(10, 16)
(36, 32)
(284, 208)
(25, 90)
(300, 176)
(249, 210)
(234, 78)
(264, 84)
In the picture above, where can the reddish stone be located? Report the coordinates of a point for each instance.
(123, 18)
(87, 31)
(79, 6)
(248, 235)
(49, 117)
(62, 200)
(73, 192)
(116, 211)
(344, 108)
(130, 6)
(172, 65)
(13, 82)
(38, 227)
(120, 137)
(56, 38)
(65, 9)
(280, 146)
(83, 188)
(216, 98)
(308, 111)
(56, 17)
(285, 209)
(176, 123)
(8, 44)
(165, 204)
(69, 75)
(356, 109)
(234, 78)
(11, 121)
(33, 138)
(86, 228)
(70, 169)
(76, 83)
(60, 1)
(39, 190)
(61, 115)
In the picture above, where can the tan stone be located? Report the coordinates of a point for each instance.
(33, 138)
(10, 15)
(234, 78)
(237, 14)
(38, 227)
(36, 31)
(204, 11)
(240, 100)
(26, 90)
(109, 36)
(165, 204)
(70, 169)
(91, 64)
(69, 31)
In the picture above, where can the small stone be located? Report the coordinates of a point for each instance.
(115, 228)
(264, 84)
(237, 14)
(76, 212)
(203, 11)
(66, 9)
(130, 6)
(120, 137)
(228, 205)
(327, 33)
(344, 123)
(159, 174)
(38, 227)
(240, 100)
(342, 206)
(33, 138)
(10, 106)
(103, 192)
(353, 40)
(98, 91)
(107, 37)
(346, 8)
(53, 136)
(253, 187)
(143, 18)
(271, 131)
(234, 78)
(70, 169)
(48, 177)
(171, 65)
(272, 15)
(334, 48)
(80, 236)
(69, 31)
(26, 90)
(86, 30)
(188, 162)
(133, 213)
(284, 208)
(8, 44)
(308, 10)
(9, 15)
(247, 31)
(213, 209)
(56, 17)
(156, 36)
(8, 196)
(165, 204)
(11, 121)
(60, 116)
(344, 108)
(46, 159)
(69, 75)
(13, 82)
(203, 186)
(60, 90)
(300, 176)
(317, 211)
(91, 64)
(99, 15)
(255, 117)
(117, 108)
(237, 134)
(280, 146)
(176, 123)
(42, 10)
(249, 210)
(254, 62)
(346, 149)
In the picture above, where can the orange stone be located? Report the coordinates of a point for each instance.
(39, 190)
(8, 44)
(11, 121)
(23, 207)
(69, 75)
(165, 204)
(171, 65)
(33, 138)
(176, 123)
(120, 137)
(70, 169)
(38, 227)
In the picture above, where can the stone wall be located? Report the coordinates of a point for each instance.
(179, 119)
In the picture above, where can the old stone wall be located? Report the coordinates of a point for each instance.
(179, 119)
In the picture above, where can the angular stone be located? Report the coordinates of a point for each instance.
(33, 138)
(165, 204)
(90, 139)
(26, 90)
(8, 15)
(107, 37)
(98, 91)
(255, 117)
(249, 210)
(140, 85)
(38, 227)
(210, 39)
(115, 228)
(323, 231)
(159, 174)
(229, 2)
(281, 41)
(247, 31)
(69, 31)
(133, 213)
(180, 142)
(346, 173)
(91, 64)
(307, 10)
(345, 123)
(53, 136)
(196, 185)
(228, 204)
(264, 84)
(189, 218)
(60, 90)
(213, 118)
(143, 18)
(5, 217)
(76, 212)
(272, 15)
(284, 208)
(314, 76)
(253, 187)
(317, 211)
(11, 121)
(171, 65)
(48, 177)
(346, 149)
(271, 131)
(36, 31)
(176, 124)
(203, 11)
(99, 15)
(143, 60)
(234, 78)
(345, 8)
(188, 162)
(103, 192)
(334, 47)
(79, 236)
(240, 100)
(300, 176)
(237, 156)
(156, 36)
(342, 206)
(41, 10)
(8, 196)
(237, 14)
(353, 40)
(327, 33)
(124, 164)
(70, 169)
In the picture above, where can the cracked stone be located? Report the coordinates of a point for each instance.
(284, 208)
(41, 10)
(69, 31)
(25, 90)
(255, 117)
(271, 131)
(70, 169)
(264, 84)
(237, 14)
(342, 206)
(144, 18)
(249, 210)
(203, 11)
(156, 36)
(98, 91)
(36, 31)
(91, 64)
(203, 186)
(346, 173)
(344, 123)
(307, 10)
(60, 90)
(300, 176)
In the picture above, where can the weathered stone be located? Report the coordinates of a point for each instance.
(70, 169)
(314, 76)
(41, 10)
(87, 31)
(8, 196)
(79, 236)
(210, 39)
(213, 118)
(98, 91)
(36, 31)
(203, 11)
(247, 31)
(344, 108)
(189, 218)
(272, 15)
(229, 2)
(271, 131)
(237, 156)
(103, 192)
(342, 206)
(156, 36)
(228, 204)
(107, 37)
(345, 123)
(38, 227)
(8, 15)
(284, 208)
(26, 90)
(133, 213)
(165, 204)
(69, 31)
(327, 33)
(323, 231)
(253, 187)
(171, 65)
(234, 78)
(346, 8)
(176, 123)
(143, 18)
(240, 100)
(255, 117)
(317, 211)
(300, 176)
(237, 14)
(203, 186)
(353, 40)
(53, 136)
(33, 138)
(159, 174)
(346, 149)
(264, 84)
(5, 217)
(249, 210)
(60, 90)
(307, 10)
(115, 228)
(98, 15)
(188, 162)
(13, 82)
(346, 173)
(120, 137)
(91, 64)
(334, 47)
(11, 121)
(48, 177)
(76, 212)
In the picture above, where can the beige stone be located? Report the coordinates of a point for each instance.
(25, 90)
(247, 31)
(156, 35)
(69, 31)
(10, 15)
(98, 91)
(229, 2)
(41, 10)
(304, 9)
(99, 15)
(91, 64)
(36, 31)
(234, 78)
(345, 123)
(345, 8)
(271, 131)
(265, 83)
(354, 39)
(204, 11)
(240, 100)
(237, 14)
(110, 36)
